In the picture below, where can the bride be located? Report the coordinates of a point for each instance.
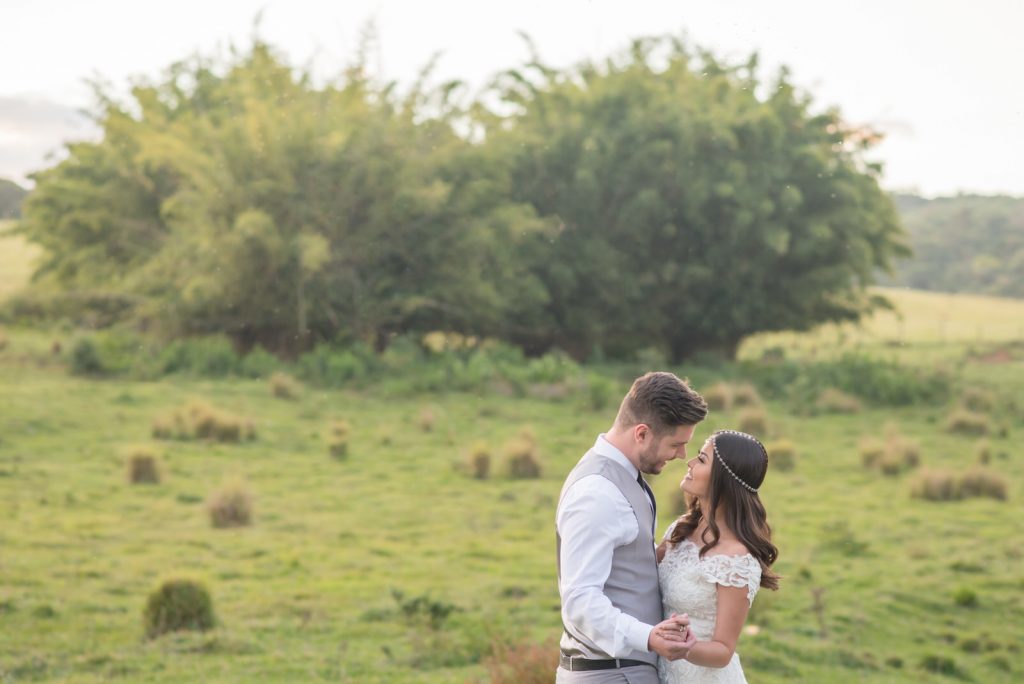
(715, 557)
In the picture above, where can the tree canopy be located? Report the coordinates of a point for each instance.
(658, 199)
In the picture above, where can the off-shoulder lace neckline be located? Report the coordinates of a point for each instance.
(709, 556)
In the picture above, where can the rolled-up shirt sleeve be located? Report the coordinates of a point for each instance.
(593, 519)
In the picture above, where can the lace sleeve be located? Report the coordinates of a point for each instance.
(734, 571)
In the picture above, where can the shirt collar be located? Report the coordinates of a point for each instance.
(605, 448)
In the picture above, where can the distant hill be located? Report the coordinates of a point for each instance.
(968, 243)
(11, 195)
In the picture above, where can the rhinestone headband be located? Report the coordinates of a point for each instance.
(726, 466)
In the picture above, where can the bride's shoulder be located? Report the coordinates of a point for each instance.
(731, 547)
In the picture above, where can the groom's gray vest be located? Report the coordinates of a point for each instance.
(632, 586)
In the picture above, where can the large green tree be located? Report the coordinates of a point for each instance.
(698, 204)
(244, 200)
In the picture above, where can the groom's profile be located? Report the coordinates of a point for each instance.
(607, 569)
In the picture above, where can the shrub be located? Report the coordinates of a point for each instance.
(284, 386)
(230, 506)
(329, 367)
(965, 597)
(521, 461)
(753, 421)
(601, 392)
(982, 482)
(143, 467)
(941, 665)
(967, 422)
(781, 455)
(3, 340)
(85, 360)
(212, 356)
(337, 442)
(258, 363)
(718, 397)
(833, 400)
(480, 461)
(882, 383)
(745, 395)
(178, 604)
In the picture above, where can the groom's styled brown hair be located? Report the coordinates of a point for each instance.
(662, 401)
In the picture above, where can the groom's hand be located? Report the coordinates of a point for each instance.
(672, 639)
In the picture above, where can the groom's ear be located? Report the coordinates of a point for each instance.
(641, 431)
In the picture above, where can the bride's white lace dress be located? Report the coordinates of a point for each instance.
(688, 585)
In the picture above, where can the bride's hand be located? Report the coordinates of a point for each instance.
(672, 639)
(674, 628)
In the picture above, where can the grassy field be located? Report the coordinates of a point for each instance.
(878, 586)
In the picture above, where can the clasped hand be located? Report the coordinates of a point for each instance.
(672, 639)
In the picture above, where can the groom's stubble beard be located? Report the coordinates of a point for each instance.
(648, 460)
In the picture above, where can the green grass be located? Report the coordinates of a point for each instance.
(922, 327)
(306, 592)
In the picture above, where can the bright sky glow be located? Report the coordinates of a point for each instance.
(942, 80)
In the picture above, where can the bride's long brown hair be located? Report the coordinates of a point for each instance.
(738, 459)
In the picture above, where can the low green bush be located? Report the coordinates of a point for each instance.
(178, 604)
(875, 381)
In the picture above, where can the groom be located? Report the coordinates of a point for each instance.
(607, 570)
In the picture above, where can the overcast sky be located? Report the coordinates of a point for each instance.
(943, 79)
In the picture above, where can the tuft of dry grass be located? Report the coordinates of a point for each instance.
(983, 482)
(935, 485)
(871, 451)
(967, 422)
(753, 421)
(522, 461)
(427, 420)
(230, 506)
(143, 467)
(718, 397)
(745, 395)
(337, 440)
(977, 399)
(978, 481)
(200, 420)
(833, 400)
(284, 386)
(781, 455)
(479, 461)
(893, 456)
(521, 663)
(983, 452)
